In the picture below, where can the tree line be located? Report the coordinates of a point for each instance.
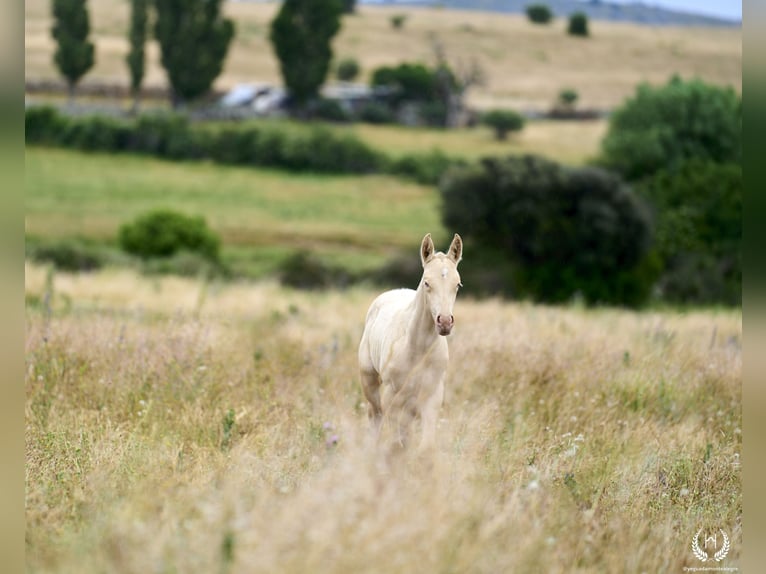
(194, 39)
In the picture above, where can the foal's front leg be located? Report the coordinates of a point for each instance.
(429, 415)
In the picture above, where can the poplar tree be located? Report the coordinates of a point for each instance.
(136, 58)
(301, 35)
(74, 54)
(194, 39)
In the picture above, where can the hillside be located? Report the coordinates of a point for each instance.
(526, 65)
(636, 12)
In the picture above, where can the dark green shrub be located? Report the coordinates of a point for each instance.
(567, 231)
(44, 125)
(377, 113)
(330, 110)
(699, 231)
(578, 24)
(170, 136)
(67, 254)
(306, 271)
(347, 69)
(397, 21)
(235, 146)
(503, 121)
(662, 127)
(96, 133)
(568, 97)
(411, 82)
(163, 233)
(539, 13)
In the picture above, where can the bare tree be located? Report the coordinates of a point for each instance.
(455, 79)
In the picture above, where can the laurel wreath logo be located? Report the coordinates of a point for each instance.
(703, 555)
(698, 552)
(721, 554)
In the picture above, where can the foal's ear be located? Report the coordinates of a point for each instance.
(426, 249)
(456, 249)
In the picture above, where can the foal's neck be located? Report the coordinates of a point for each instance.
(421, 330)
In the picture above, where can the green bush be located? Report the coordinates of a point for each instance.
(163, 233)
(397, 21)
(304, 270)
(567, 231)
(503, 121)
(44, 125)
(330, 110)
(347, 69)
(411, 82)
(173, 137)
(376, 113)
(578, 24)
(662, 127)
(539, 13)
(67, 254)
(699, 231)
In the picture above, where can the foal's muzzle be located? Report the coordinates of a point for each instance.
(444, 324)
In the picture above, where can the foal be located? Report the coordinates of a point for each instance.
(404, 348)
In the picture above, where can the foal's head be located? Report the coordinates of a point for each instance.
(441, 281)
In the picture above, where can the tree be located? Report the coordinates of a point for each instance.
(698, 208)
(565, 230)
(503, 121)
(74, 54)
(349, 6)
(662, 127)
(454, 81)
(194, 40)
(539, 13)
(301, 34)
(578, 24)
(137, 39)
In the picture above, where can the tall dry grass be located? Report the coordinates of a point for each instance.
(181, 426)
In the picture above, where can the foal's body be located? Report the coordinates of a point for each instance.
(404, 346)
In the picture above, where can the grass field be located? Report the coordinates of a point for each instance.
(180, 426)
(526, 65)
(355, 221)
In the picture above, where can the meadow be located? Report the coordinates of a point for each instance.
(526, 66)
(178, 425)
(201, 425)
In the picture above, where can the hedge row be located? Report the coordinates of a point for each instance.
(173, 137)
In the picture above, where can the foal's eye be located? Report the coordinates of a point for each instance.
(428, 286)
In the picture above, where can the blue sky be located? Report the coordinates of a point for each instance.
(731, 9)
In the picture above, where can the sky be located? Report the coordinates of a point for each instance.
(731, 9)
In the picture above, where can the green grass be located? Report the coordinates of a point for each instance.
(261, 215)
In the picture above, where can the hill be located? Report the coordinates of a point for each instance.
(636, 12)
(526, 65)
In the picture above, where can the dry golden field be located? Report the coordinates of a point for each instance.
(526, 65)
(180, 426)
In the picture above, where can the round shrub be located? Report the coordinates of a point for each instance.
(503, 121)
(162, 233)
(662, 127)
(539, 13)
(578, 24)
(376, 113)
(347, 70)
(567, 231)
(699, 231)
